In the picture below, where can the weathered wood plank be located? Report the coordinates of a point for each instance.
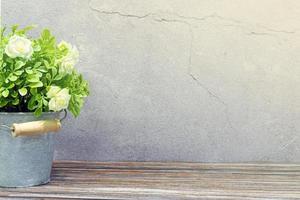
(156, 180)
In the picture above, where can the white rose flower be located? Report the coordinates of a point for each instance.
(19, 47)
(70, 60)
(59, 98)
(53, 91)
(64, 45)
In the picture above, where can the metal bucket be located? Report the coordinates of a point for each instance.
(25, 161)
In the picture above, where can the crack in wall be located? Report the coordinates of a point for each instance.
(121, 14)
(259, 33)
(280, 148)
(181, 18)
(212, 94)
(288, 143)
(237, 22)
(157, 18)
(218, 99)
(247, 28)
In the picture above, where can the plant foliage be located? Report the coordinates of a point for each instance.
(37, 74)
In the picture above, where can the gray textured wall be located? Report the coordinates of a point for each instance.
(197, 80)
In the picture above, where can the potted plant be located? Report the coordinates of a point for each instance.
(37, 81)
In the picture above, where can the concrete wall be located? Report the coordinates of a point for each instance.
(197, 80)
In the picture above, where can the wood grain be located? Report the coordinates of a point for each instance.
(156, 180)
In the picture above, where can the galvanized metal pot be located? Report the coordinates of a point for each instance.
(26, 160)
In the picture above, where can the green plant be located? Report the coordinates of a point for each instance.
(37, 74)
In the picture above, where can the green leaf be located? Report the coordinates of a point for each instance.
(14, 28)
(24, 30)
(37, 64)
(11, 86)
(45, 102)
(33, 91)
(14, 94)
(29, 71)
(75, 104)
(32, 103)
(54, 71)
(5, 93)
(3, 103)
(15, 102)
(48, 76)
(23, 91)
(18, 73)
(33, 78)
(18, 82)
(46, 34)
(37, 48)
(12, 77)
(59, 77)
(39, 74)
(46, 63)
(42, 70)
(36, 84)
(19, 64)
(38, 111)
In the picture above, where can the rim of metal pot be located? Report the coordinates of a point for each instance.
(31, 113)
(26, 113)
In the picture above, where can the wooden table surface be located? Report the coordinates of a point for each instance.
(156, 180)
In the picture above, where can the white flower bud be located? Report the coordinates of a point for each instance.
(59, 98)
(19, 47)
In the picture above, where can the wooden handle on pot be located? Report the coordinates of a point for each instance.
(35, 128)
